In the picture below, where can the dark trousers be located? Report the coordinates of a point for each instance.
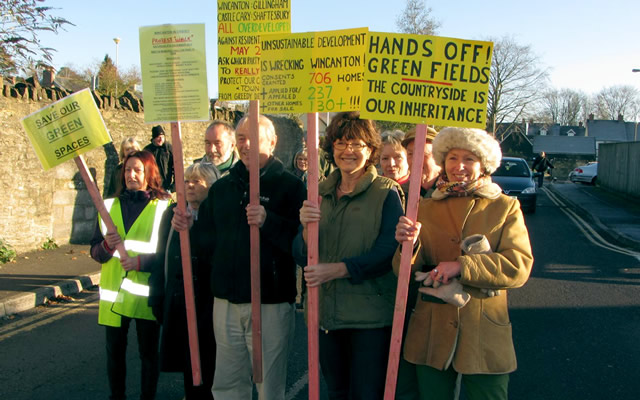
(207, 345)
(148, 336)
(354, 362)
(540, 179)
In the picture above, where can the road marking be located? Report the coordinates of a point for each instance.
(298, 386)
(586, 229)
(35, 321)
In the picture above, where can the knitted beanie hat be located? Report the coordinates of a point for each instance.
(477, 141)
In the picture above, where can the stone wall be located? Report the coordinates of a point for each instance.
(38, 204)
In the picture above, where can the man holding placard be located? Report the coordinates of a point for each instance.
(221, 234)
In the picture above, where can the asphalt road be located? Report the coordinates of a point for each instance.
(575, 326)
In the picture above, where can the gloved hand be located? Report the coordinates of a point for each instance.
(478, 244)
(451, 293)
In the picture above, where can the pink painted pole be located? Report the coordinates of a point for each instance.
(98, 202)
(254, 199)
(405, 266)
(185, 251)
(312, 259)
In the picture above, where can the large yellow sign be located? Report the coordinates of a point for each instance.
(313, 71)
(174, 73)
(426, 80)
(241, 23)
(65, 129)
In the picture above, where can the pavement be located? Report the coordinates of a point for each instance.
(39, 276)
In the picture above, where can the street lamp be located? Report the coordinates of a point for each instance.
(117, 41)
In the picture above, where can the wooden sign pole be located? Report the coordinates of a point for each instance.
(254, 199)
(405, 266)
(312, 259)
(98, 202)
(185, 251)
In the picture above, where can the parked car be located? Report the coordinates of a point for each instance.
(515, 178)
(585, 173)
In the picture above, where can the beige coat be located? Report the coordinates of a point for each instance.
(476, 338)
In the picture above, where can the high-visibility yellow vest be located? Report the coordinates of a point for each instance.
(126, 293)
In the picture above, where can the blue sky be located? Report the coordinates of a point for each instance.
(586, 45)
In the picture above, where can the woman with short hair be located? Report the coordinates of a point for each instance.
(357, 217)
(393, 157)
(167, 297)
(127, 146)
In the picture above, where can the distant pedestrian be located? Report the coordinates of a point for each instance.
(540, 164)
(128, 146)
(163, 152)
(124, 289)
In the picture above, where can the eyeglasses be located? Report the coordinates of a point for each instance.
(354, 146)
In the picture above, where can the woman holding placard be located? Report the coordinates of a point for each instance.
(167, 297)
(124, 289)
(472, 247)
(357, 217)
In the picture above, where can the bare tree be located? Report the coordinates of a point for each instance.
(564, 106)
(20, 23)
(614, 101)
(416, 18)
(517, 80)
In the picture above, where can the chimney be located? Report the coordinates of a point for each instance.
(48, 76)
(620, 118)
(591, 117)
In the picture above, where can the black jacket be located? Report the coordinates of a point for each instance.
(167, 299)
(541, 164)
(221, 234)
(164, 160)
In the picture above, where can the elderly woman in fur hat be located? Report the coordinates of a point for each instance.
(471, 246)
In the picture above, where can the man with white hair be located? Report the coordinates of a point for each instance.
(219, 146)
(221, 237)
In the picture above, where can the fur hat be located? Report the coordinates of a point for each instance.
(411, 135)
(156, 131)
(477, 141)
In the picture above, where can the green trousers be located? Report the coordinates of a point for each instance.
(434, 384)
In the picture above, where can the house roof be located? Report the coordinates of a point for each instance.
(611, 131)
(565, 145)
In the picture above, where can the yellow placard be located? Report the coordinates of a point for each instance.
(174, 73)
(313, 71)
(426, 80)
(65, 129)
(241, 23)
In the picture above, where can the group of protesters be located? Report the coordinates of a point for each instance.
(470, 245)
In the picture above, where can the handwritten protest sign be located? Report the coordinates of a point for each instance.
(418, 78)
(241, 23)
(312, 71)
(174, 73)
(66, 129)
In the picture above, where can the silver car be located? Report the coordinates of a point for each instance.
(585, 173)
